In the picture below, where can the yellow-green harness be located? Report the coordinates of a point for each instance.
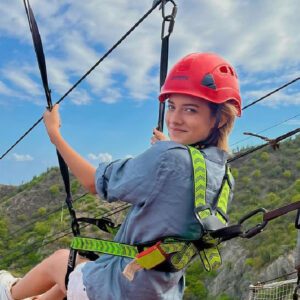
(175, 254)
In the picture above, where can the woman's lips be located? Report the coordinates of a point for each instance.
(177, 130)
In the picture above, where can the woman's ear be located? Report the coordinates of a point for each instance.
(223, 121)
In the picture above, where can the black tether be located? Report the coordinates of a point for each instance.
(38, 46)
(37, 42)
(165, 53)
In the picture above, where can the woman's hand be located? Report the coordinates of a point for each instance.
(52, 122)
(158, 136)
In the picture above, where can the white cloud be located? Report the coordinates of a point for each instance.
(4, 89)
(21, 80)
(101, 157)
(256, 36)
(21, 157)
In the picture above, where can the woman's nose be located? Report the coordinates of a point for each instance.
(176, 117)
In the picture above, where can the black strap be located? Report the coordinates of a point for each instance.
(164, 57)
(38, 47)
(268, 216)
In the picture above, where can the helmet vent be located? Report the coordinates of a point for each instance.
(231, 71)
(223, 69)
(209, 82)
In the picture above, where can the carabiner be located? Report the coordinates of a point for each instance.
(257, 228)
(168, 18)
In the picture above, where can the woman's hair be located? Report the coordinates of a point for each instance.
(228, 112)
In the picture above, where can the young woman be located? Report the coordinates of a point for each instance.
(203, 100)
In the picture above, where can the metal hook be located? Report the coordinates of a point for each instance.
(168, 18)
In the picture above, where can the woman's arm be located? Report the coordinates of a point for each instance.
(81, 168)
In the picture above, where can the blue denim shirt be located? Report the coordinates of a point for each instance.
(159, 185)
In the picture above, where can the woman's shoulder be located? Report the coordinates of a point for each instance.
(169, 154)
(215, 155)
(168, 150)
(163, 146)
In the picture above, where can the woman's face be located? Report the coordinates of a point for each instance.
(188, 119)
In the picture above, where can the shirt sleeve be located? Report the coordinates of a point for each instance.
(132, 180)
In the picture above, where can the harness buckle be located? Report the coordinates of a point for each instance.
(151, 257)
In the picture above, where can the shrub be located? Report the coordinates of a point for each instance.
(297, 185)
(42, 211)
(264, 156)
(54, 190)
(287, 174)
(41, 228)
(257, 173)
(245, 180)
(75, 185)
(235, 173)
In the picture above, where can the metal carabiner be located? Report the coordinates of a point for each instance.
(257, 228)
(168, 18)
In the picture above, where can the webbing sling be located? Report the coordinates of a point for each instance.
(164, 57)
(178, 253)
(38, 47)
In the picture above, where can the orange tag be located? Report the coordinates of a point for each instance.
(130, 270)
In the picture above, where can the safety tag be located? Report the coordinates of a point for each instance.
(151, 257)
(130, 270)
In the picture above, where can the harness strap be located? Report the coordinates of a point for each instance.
(211, 216)
(147, 256)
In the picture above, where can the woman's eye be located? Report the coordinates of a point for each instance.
(192, 110)
(171, 107)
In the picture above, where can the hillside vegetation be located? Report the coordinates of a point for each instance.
(34, 221)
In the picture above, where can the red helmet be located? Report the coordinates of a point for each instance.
(203, 75)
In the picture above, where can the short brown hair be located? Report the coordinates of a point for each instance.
(228, 112)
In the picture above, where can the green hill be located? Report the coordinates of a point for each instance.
(33, 222)
(268, 179)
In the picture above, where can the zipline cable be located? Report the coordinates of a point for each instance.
(24, 227)
(271, 93)
(66, 232)
(87, 73)
(38, 121)
(266, 129)
(41, 218)
(278, 139)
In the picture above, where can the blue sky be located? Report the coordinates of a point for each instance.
(111, 115)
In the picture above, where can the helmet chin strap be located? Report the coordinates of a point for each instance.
(212, 139)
